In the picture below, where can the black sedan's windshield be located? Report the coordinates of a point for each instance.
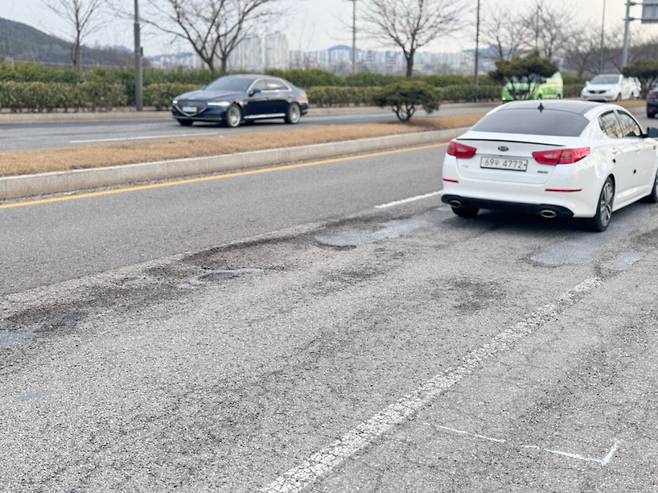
(230, 84)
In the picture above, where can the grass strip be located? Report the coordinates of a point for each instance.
(95, 156)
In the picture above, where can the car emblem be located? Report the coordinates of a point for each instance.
(503, 148)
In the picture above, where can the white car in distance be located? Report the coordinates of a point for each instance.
(553, 158)
(611, 87)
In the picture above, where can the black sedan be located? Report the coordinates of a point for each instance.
(236, 99)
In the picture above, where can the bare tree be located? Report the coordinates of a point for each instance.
(214, 28)
(506, 33)
(551, 27)
(411, 24)
(584, 55)
(82, 17)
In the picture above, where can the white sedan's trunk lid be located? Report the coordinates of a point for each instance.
(508, 157)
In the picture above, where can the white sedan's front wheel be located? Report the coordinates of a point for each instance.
(601, 220)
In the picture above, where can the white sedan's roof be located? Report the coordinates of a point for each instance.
(587, 109)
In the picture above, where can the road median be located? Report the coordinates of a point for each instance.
(31, 185)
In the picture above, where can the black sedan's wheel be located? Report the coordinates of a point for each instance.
(653, 196)
(600, 222)
(466, 212)
(233, 116)
(185, 123)
(294, 114)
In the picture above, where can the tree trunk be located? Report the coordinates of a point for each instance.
(410, 64)
(76, 54)
(210, 63)
(224, 64)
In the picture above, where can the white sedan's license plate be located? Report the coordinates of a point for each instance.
(189, 109)
(506, 163)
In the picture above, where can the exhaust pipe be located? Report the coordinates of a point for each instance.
(548, 214)
(455, 203)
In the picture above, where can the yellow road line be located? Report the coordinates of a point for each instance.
(203, 179)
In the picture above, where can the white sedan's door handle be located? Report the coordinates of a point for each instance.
(614, 151)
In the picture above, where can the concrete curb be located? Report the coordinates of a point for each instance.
(16, 187)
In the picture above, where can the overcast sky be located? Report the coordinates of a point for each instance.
(310, 24)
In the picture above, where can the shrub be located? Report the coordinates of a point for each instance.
(405, 97)
(645, 70)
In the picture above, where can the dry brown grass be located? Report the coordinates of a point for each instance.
(20, 163)
(633, 104)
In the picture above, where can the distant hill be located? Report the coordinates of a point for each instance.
(23, 43)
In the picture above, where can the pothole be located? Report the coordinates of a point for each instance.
(353, 238)
(218, 276)
(13, 336)
(224, 274)
(623, 261)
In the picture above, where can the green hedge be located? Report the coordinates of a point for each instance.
(573, 90)
(363, 96)
(93, 95)
(340, 96)
(161, 95)
(41, 96)
(469, 93)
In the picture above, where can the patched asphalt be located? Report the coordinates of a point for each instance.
(228, 367)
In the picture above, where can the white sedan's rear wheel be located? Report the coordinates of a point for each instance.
(653, 196)
(601, 220)
(467, 212)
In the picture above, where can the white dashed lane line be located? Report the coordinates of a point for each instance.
(409, 200)
(321, 463)
(143, 137)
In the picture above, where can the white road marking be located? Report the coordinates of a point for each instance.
(572, 455)
(410, 199)
(326, 460)
(604, 462)
(474, 435)
(143, 137)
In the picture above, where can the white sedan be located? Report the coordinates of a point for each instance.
(553, 158)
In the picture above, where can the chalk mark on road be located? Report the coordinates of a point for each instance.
(321, 463)
(603, 461)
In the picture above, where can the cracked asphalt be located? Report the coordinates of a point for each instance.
(228, 362)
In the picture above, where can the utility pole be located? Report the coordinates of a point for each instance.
(139, 70)
(353, 35)
(477, 45)
(601, 61)
(627, 32)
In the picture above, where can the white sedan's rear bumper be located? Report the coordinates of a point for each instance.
(571, 190)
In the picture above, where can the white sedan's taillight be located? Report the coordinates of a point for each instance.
(561, 156)
(461, 151)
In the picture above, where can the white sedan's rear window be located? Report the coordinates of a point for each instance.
(531, 121)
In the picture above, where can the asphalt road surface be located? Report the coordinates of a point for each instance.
(32, 136)
(328, 328)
